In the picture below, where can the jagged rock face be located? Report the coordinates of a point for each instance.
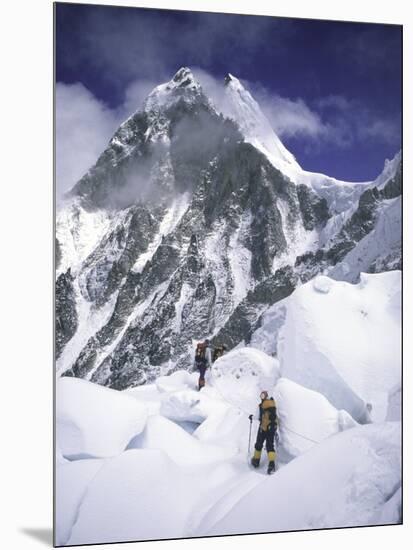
(58, 253)
(186, 292)
(314, 209)
(364, 218)
(105, 268)
(361, 223)
(389, 262)
(66, 316)
(195, 234)
(243, 321)
(393, 187)
(159, 151)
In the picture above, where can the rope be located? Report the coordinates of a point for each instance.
(300, 435)
(245, 412)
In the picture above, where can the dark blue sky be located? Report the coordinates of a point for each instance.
(348, 75)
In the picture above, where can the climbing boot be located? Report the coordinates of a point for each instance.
(271, 467)
(271, 462)
(255, 461)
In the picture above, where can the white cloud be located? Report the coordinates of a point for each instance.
(84, 126)
(135, 95)
(333, 120)
(384, 130)
(293, 118)
(334, 102)
(287, 117)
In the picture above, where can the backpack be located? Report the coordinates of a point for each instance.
(200, 353)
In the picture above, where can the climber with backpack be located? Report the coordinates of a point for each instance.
(267, 431)
(218, 352)
(203, 360)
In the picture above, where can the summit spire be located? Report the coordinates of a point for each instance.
(182, 84)
(184, 77)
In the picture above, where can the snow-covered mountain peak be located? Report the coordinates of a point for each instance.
(183, 230)
(184, 78)
(236, 91)
(242, 107)
(389, 170)
(182, 85)
(231, 80)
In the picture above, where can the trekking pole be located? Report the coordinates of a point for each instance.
(249, 437)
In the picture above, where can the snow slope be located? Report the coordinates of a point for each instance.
(164, 435)
(353, 476)
(72, 480)
(306, 417)
(93, 421)
(176, 459)
(173, 481)
(135, 492)
(91, 320)
(243, 108)
(341, 340)
(240, 376)
(265, 337)
(78, 232)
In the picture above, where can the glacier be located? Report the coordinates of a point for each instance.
(178, 438)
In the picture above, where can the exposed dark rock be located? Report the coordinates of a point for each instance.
(112, 260)
(313, 208)
(58, 253)
(393, 187)
(66, 322)
(242, 322)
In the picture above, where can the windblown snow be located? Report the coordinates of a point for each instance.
(130, 460)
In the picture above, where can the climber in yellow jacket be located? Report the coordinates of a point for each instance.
(267, 431)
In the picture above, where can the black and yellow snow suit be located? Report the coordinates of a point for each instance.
(267, 430)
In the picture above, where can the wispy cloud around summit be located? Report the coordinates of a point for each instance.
(332, 121)
(85, 124)
(332, 90)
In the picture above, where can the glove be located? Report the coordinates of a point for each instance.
(250, 417)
